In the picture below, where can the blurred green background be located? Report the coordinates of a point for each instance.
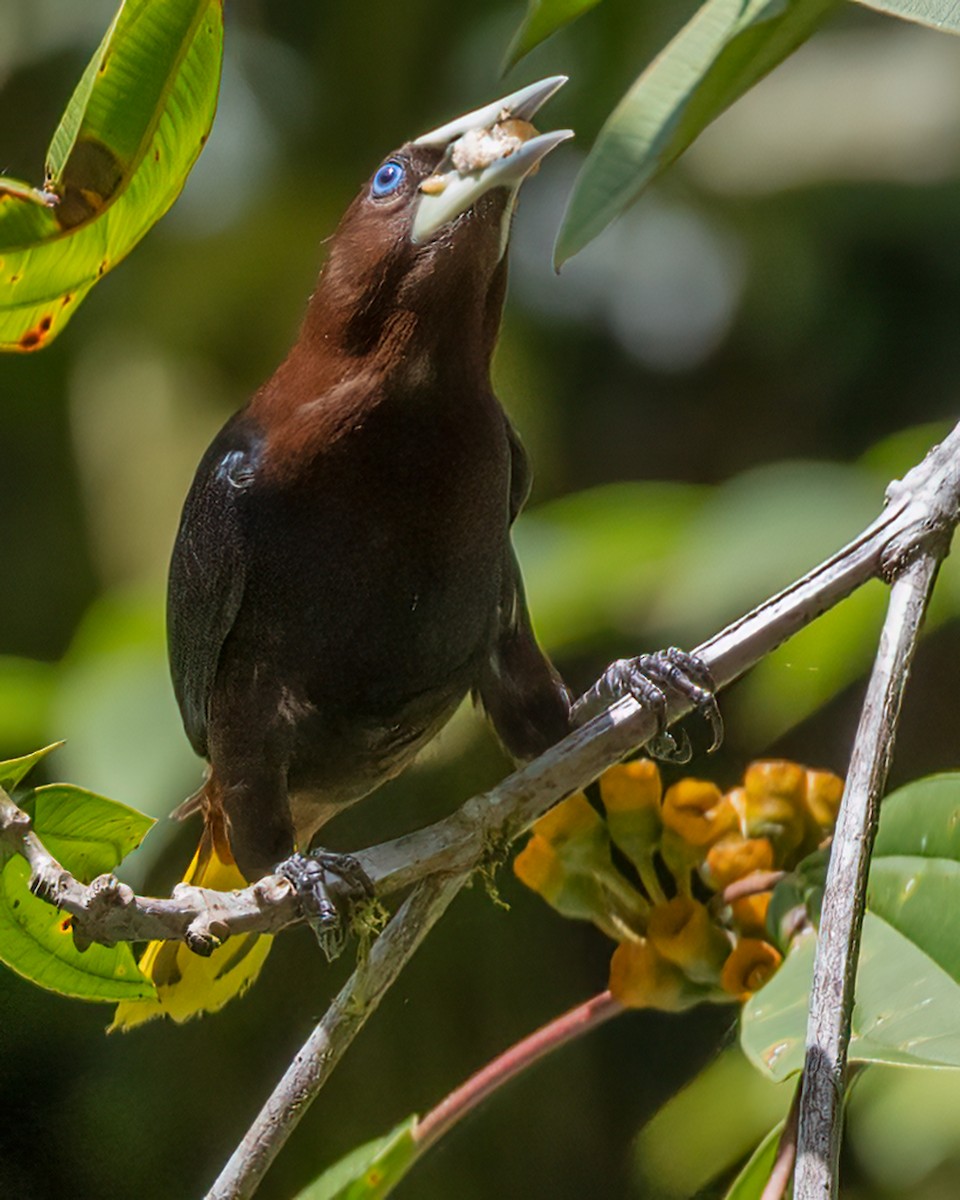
(714, 395)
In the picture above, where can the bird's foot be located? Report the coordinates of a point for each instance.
(649, 679)
(327, 885)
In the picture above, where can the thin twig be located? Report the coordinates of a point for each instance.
(832, 993)
(342, 1021)
(108, 911)
(924, 507)
(563, 1029)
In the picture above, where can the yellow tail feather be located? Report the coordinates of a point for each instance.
(188, 985)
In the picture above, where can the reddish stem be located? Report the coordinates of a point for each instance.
(782, 1171)
(751, 885)
(512, 1062)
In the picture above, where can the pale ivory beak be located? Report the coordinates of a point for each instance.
(494, 146)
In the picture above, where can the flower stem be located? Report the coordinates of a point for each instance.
(558, 1032)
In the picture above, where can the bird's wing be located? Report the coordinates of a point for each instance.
(520, 689)
(208, 572)
(521, 477)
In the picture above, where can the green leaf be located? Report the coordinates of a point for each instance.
(751, 1181)
(36, 942)
(802, 888)
(938, 14)
(922, 819)
(89, 835)
(915, 875)
(723, 50)
(908, 984)
(119, 158)
(905, 1014)
(369, 1172)
(544, 17)
(14, 769)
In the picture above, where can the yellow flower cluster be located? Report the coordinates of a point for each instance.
(681, 937)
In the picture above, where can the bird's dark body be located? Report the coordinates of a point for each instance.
(343, 574)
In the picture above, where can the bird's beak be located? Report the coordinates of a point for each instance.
(495, 146)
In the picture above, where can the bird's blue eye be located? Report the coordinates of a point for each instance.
(387, 179)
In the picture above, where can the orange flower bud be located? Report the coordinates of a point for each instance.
(571, 818)
(774, 803)
(735, 857)
(698, 811)
(631, 794)
(632, 786)
(750, 914)
(823, 794)
(748, 968)
(567, 861)
(538, 866)
(683, 932)
(576, 894)
(738, 798)
(640, 978)
(575, 830)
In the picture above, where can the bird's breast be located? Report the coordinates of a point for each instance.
(378, 559)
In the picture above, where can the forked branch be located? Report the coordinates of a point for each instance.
(915, 527)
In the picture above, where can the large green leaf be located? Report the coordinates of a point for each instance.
(915, 875)
(938, 14)
(369, 1172)
(36, 942)
(134, 127)
(905, 1014)
(544, 17)
(726, 48)
(922, 819)
(89, 835)
(908, 984)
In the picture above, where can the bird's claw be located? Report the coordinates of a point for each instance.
(649, 678)
(326, 883)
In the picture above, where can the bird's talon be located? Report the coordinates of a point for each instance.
(326, 884)
(649, 678)
(671, 748)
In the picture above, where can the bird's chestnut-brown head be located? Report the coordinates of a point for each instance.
(423, 243)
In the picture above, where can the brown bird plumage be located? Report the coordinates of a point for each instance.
(343, 573)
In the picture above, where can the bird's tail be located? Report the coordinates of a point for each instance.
(188, 985)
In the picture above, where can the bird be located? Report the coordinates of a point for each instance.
(343, 575)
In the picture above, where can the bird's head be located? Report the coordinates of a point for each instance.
(423, 244)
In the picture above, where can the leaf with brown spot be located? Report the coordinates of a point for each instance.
(98, 200)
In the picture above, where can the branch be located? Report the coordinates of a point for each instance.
(918, 509)
(921, 513)
(342, 1021)
(838, 946)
